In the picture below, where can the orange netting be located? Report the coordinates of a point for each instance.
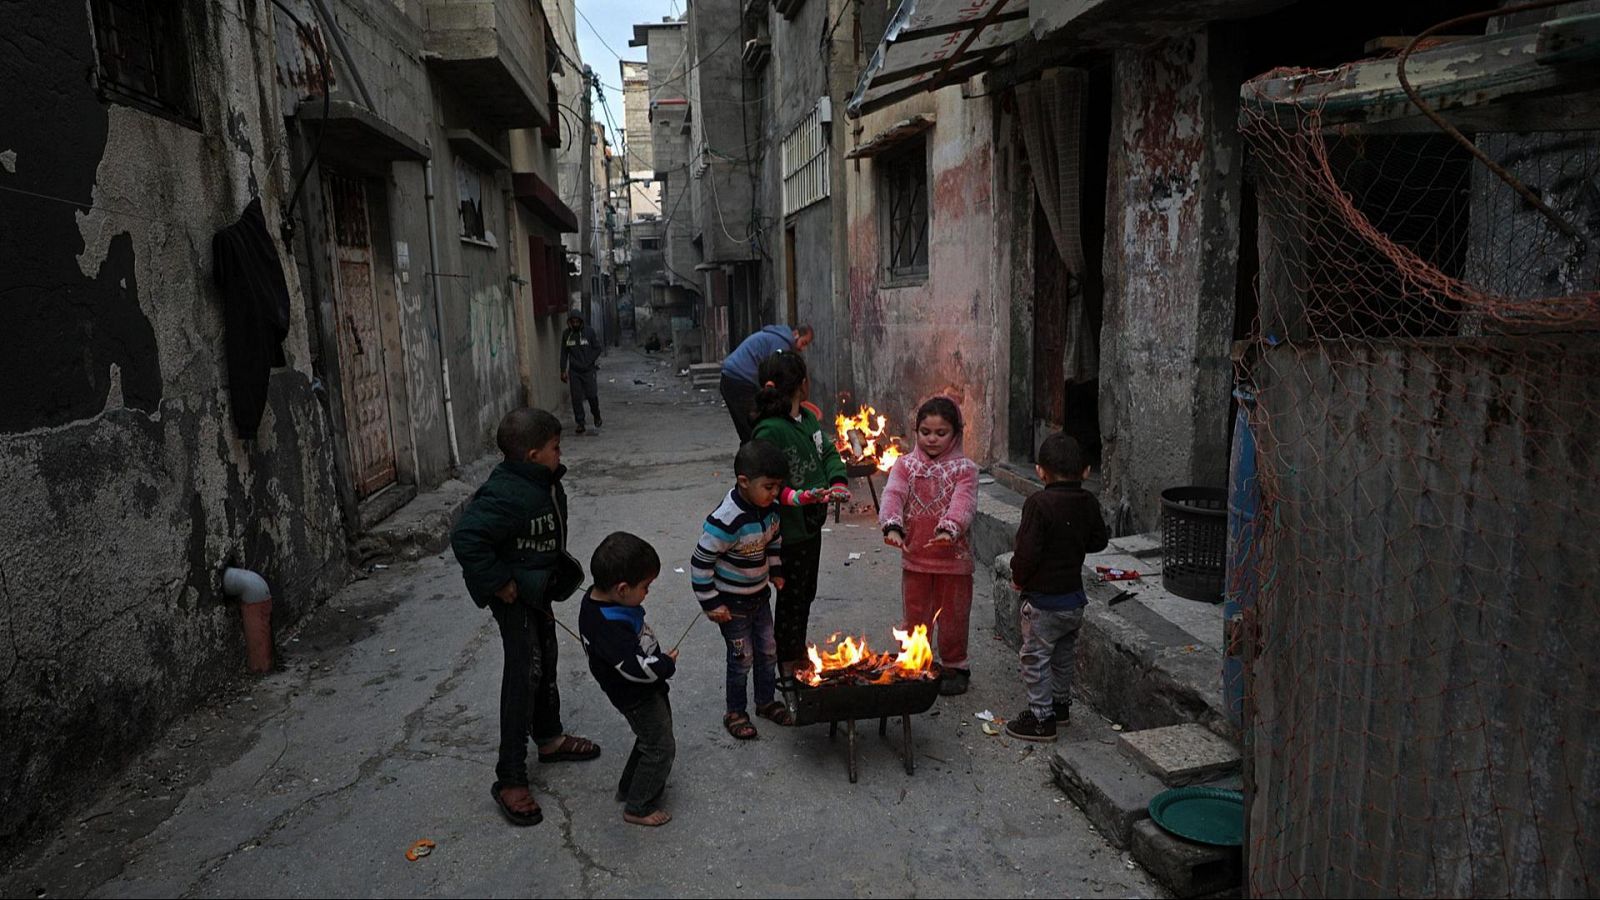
(1422, 702)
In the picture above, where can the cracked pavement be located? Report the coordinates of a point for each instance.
(379, 728)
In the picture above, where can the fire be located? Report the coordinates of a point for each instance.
(861, 438)
(852, 658)
(887, 458)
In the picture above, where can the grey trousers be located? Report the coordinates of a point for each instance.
(644, 777)
(584, 386)
(1049, 642)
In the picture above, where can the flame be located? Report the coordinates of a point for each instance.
(915, 659)
(887, 459)
(867, 428)
(916, 655)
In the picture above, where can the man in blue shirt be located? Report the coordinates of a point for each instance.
(739, 384)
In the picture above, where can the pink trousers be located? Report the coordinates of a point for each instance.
(950, 598)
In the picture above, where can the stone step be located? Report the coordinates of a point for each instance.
(422, 527)
(1135, 667)
(994, 527)
(1113, 792)
(1180, 755)
(1184, 867)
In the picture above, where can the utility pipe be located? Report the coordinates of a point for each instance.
(438, 315)
(255, 610)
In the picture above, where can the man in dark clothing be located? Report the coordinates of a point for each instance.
(580, 360)
(739, 384)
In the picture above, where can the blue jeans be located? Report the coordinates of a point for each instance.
(750, 645)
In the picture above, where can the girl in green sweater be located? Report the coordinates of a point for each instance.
(785, 418)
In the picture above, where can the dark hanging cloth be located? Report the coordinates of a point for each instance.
(255, 312)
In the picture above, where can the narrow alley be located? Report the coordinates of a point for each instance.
(1267, 333)
(380, 729)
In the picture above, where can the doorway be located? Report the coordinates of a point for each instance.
(364, 384)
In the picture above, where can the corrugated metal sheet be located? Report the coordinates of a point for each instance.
(1426, 700)
(932, 43)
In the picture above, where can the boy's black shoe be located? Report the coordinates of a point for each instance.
(953, 682)
(579, 430)
(597, 422)
(1028, 727)
(1063, 710)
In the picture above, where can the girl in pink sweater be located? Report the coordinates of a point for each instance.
(926, 512)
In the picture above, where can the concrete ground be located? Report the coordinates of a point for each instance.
(380, 729)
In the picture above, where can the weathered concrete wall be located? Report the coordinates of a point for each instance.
(125, 484)
(573, 92)
(667, 46)
(798, 75)
(1170, 257)
(383, 40)
(538, 337)
(948, 333)
(727, 133)
(475, 287)
(1014, 208)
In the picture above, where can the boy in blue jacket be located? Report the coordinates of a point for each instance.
(632, 669)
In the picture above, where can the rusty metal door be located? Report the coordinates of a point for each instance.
(361, 371)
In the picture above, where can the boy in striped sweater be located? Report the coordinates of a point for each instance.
(735, 559)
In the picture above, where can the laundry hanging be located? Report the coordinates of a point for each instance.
(255, 312)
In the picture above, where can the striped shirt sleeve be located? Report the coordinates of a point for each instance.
(703, 564)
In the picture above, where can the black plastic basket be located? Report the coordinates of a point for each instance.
(1194, 542)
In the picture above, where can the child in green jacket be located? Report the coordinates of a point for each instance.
(814, 467)
(512, 546)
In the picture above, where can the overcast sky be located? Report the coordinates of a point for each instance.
(604, 28)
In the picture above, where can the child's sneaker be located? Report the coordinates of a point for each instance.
(1063, 710)
(1029, 727)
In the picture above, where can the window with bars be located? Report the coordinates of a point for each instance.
(805, 163)
(142, 50)
(903, 193)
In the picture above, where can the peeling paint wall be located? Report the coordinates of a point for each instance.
(124, 482)
(474, 287)
(947, 333)
(1171, 250)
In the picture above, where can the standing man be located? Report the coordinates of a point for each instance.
(580, 359)
(739, 384)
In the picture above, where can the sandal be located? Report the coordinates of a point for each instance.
(652, 820)
(520, 819)
(776, 712)
(571, 749)
(738, 725)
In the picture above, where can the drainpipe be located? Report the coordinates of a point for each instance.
(255, 610)
(438, 316)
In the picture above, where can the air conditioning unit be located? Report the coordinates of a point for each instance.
(825, 110)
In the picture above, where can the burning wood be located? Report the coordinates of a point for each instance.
(861, 440)
(852, 662)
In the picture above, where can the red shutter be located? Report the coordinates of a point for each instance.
(556, 266)
(537, 280)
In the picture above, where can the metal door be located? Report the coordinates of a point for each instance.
(361, 373)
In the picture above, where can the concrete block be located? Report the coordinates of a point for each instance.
(1184, 867)
(1007, 603)
(1180, 754)
(994, 527)
(1110, 789)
